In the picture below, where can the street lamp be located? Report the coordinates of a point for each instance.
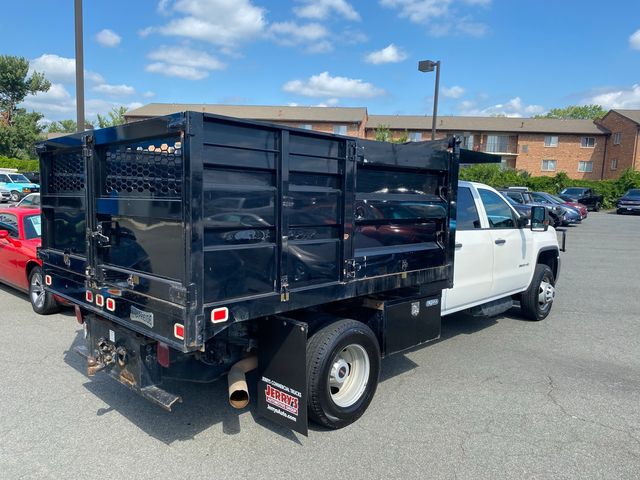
(428, 66)
(79, 67)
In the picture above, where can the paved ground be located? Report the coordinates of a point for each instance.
(501, 398)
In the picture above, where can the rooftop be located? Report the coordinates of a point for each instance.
(633, 115)
(255, 112)
(487, 124)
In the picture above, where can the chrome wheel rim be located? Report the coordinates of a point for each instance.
(349, 375)
(546, 294)
(37, 290)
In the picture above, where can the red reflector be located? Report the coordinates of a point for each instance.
(219, 315)
(48, 280)
(178, 331)
(162, 354)
(99, 300)
(111, 304)
(88, 296)
(79, 315)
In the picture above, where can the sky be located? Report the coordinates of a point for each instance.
(498, 57)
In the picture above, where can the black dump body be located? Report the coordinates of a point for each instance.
(155, 224)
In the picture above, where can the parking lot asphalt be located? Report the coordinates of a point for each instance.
(494, 398)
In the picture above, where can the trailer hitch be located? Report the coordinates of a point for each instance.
(108, 355)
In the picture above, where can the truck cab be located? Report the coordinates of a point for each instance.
(496, 255)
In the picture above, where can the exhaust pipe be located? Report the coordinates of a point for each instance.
(238, 390)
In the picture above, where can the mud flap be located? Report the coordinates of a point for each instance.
(282, 360)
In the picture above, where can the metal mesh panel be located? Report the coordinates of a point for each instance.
(67, 173)
(149, 170)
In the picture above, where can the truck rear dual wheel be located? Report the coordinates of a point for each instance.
(42, 301)
(537, 300)
(343, 366)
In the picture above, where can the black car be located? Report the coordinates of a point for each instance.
(629, 202)
(585, 196)
(33, 177)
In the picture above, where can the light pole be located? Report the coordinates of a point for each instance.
(79, 67)
(428, 66)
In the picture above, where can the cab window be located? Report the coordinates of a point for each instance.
(10, 223)
(467, 217)
(498, 211)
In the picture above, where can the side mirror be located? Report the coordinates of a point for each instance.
(539, 219)
(4, 234)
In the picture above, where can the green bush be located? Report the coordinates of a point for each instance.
(21, 165)
(496, 177)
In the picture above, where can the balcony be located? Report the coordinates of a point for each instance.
(498, 144)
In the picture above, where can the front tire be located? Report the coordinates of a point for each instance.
(15, 196)
(596, 207)
(42, 301)
(537, 300)
(343, 366)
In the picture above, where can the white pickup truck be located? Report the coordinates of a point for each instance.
(497, 260)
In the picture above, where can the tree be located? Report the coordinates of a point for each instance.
(576, 112)
(15, 85)
(383, 133)
(113, 118)
(66, 126)
(17, 140)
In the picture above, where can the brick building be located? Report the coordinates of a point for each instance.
(581, 148)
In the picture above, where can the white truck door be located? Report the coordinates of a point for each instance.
(472, 273)
(512, 248)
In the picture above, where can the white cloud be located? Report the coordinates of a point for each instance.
(108, 38)
(513, 108)
(441, 17)
(323, 46)
(321, 9)
(225, 23)
(616, 97)
(60, 69)
(452, 92)
(291, 33)
(96, 105)
(114, 90)
(389, 54)
(634, 40)
(57, 100)
(148, 94)
(183, 62)
(324, 85)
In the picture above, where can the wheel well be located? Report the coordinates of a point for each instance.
(549, 258)
(30, 266)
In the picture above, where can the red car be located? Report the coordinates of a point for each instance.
(19, 266)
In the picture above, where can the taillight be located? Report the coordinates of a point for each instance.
(48, 280)
(162, 354)
(99, 300)
(219, 315)
(111, 304)
(178, 331)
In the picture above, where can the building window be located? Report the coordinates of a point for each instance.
(548, 165)
(551, 141)
(617, 138)
(468, 142)
(340, 129)
(415, 136)
(497, 143)
(614, 164)
(307, 126)
(588, 142)
(524, 149)
(585, 166)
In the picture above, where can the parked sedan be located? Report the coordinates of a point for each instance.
(30, 201)
(524, 200)
(629, 202)
(571, 214)
(5, 194)
(19, 266)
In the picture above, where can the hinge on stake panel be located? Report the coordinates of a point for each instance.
(350, 268)
(284, 289)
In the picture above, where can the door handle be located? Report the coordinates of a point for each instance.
(500, 241)
(458, 245)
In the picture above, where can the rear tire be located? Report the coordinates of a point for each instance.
(537, 300)
(596, 207)
(42, 301)
(343, 366)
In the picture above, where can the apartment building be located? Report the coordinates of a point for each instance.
(582, 148)
(623, 147)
